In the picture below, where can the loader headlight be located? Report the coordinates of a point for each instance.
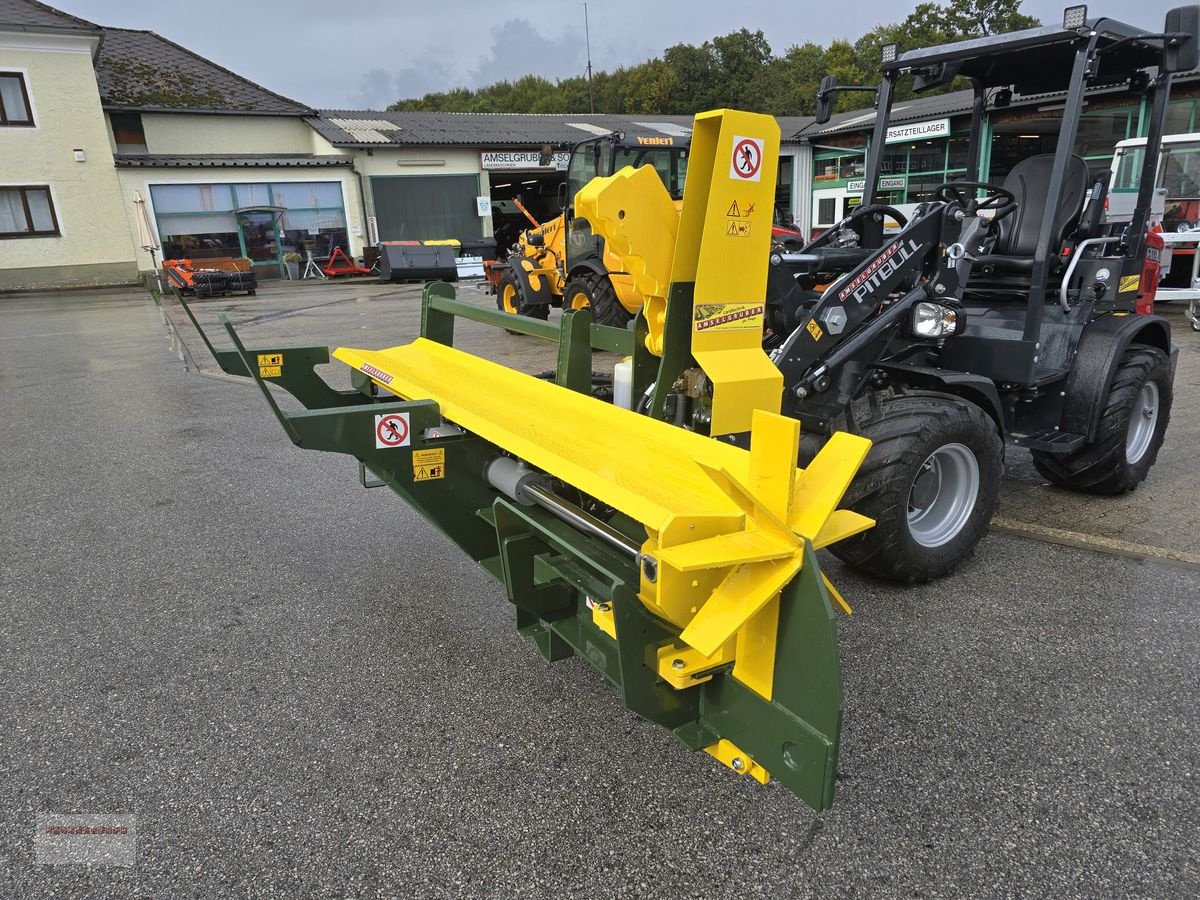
(933, 320)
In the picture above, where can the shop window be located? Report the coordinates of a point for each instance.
(27, 212)
(15, 109)
(826, 210)
(895, 160)
(199, 236)
(1179, 116)
(128, 134)
(1099, 132)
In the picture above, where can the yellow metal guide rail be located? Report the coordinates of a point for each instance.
(679, 565)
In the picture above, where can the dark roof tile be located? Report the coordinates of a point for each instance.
(32, 15)
(144, 71)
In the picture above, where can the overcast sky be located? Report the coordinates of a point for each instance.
(355, 54)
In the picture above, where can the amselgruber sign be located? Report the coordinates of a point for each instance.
(492, 160)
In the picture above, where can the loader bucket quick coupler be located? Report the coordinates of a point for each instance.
(681, 566)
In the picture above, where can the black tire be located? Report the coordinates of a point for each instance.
(596, 292)
(1104, 466)
(510, 298)
(920, 434)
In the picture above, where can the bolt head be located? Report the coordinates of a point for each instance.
(737, 764)
(677, 664)
(604, 607)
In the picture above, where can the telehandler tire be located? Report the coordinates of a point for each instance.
(511, 299)
(931, 482)
(1130, 434)
(596, 292)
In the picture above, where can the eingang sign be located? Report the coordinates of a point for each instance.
(885, 184)
(918, 131)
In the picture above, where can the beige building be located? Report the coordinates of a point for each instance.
(94, 117)
(57, 177)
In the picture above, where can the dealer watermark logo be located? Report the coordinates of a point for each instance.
(97, 839)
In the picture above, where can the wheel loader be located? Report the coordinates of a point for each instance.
(560, 262)
(1010, 314)
(672, 545)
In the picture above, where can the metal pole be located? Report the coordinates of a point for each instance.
(576, 517)
(587, 36)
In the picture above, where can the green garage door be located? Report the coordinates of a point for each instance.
(426, 207)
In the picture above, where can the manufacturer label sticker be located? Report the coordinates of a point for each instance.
(1129, 283)
(429, 465)
(376, 373)
(728, 317)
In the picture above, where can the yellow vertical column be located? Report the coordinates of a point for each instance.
(723, 247)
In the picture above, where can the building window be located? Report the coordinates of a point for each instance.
(826, 210)
(260, 221)
(27, 212)
(15, 108)
(128, 134)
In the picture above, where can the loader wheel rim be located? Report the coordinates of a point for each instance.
(579, 300)
(943, 495)
(1142, 420)
(508, 296)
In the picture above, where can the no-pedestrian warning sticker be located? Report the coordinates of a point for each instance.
(746, 164)
(391, 430)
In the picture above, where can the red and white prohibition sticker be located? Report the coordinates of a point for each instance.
(391, 430)
(746, 164)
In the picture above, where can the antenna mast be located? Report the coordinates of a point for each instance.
(588, 38)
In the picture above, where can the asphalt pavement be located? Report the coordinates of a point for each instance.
(296, 688)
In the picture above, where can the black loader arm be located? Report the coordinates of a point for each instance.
(853, 299)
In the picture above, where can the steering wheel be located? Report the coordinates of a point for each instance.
(950, 193)
(891, 211)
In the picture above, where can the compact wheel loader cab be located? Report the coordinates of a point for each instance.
(998, 313)
(561, 263)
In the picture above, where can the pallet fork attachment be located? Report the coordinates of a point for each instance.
(680, 566)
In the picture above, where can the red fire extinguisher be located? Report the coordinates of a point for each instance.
(1151, 271)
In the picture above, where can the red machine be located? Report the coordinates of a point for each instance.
(340, 264)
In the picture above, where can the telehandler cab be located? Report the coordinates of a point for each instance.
(560, 262)
(998, 313)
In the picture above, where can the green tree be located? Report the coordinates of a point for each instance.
(738, 70)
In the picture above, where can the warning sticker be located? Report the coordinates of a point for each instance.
(728, 317)
(270, 365)
(814, 329)
(738, 229)
(1129, 283)
(746, 164)
(391, 430)
(429, 464)
(740, 210)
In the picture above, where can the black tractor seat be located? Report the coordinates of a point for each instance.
(1029, 182)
